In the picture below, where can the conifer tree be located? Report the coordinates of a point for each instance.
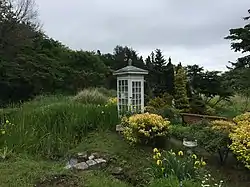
(180, 82)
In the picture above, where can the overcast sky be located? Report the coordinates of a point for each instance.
(190, 31)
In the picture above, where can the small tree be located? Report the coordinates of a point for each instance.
(181, 99)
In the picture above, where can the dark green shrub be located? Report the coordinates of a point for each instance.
(171, 114)
(160, 102)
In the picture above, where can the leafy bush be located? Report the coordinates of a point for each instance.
(91, 96)
(169, 163)
(223, 126)
(180, 132)
(172, 114)
(208, 137)
(240, 137)
(160, 102)
(144, 128)
(53, 129)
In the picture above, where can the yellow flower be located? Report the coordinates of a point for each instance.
(7, 121)
(197, 163)
(158, 155)
(3, 131)
(155, 157)
(162, 169)
(180, 153)
(159, 162)
(194, 156)
(203, 163)
(155, 150)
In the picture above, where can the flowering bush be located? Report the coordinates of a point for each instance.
(4, 127)
(4, 131)
(112, 101)
(177, 164)
(241, 139)
(144, 128)
(223, 126)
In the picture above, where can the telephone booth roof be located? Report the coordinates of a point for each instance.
(128, 70)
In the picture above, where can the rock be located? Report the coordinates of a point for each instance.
(100, 160)
(91, 157)
(73, 161)
(117, 171)
(68, 166)
(82, 157)
(81, 166)
(91, 162)
(96, 155)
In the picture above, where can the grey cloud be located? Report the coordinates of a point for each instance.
(142, 24)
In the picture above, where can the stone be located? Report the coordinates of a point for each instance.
(100, 160)
(117, 171)
(68, 166)
(91, 162)
(81, 166)
(91, 157)
(73, 161)
(82, 157)
(96, 155)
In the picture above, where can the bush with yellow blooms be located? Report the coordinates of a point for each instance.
(112, 101)
(144, 128)
(240, 137)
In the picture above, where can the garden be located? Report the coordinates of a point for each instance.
(61, 123)
(40, 136)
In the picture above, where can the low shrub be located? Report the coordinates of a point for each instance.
(160, 102)
(144, 128)
(91, 96)
(208, 137)
(240, 137)
(184, 167)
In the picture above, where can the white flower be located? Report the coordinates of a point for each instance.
(203, 181)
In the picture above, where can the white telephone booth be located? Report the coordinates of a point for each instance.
(130, 88)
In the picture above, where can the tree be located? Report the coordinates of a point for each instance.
(181, 99)
(169, 77)
(239, 74)
(240, 38)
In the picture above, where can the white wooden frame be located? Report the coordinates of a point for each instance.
(136, 106)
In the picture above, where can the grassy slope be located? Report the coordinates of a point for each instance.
(23, 171)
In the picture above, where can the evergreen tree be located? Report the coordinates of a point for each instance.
(181, 99)
(169, 77)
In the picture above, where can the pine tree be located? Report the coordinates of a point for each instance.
(181, 99)
(169, 77)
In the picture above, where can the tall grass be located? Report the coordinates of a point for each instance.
(50, 126)
(91, 96)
